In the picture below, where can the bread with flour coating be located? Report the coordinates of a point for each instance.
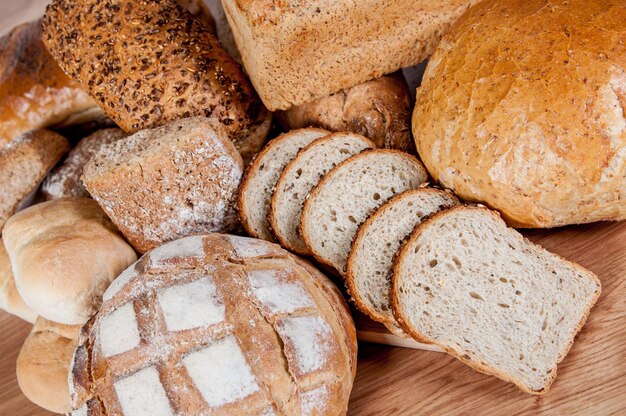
(10, 299)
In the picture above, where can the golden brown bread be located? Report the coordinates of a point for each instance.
(168, 66)
(34, 91)
(379, 110)
(10, 299)
(535, 129)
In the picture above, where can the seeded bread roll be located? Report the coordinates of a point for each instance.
(44, 363)
(165, 183)
(23, 164)
(379, 110)
(217, 325)
(148, 63)
(10, 299)
(34, 91)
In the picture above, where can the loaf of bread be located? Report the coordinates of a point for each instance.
(169, 182)
(530, 123)
(34, 91)
(23, 164)
(148, 63)
(10, 299)
(217, 324)
(64, 255)
(64, 180)
(379, 109)
(44, 363)
(490, 298)
(296, 52)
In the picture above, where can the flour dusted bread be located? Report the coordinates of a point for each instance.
(10, 299)
(44, 363)
(64, 254)
(348, 194)
(64, 181)
(165, 183)
(262, 174)
(148, 63)
(520, 305)
(535, 127)
(23, 164)
(217, 324)
(300, 175)
(370, 262)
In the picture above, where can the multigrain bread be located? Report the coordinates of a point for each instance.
(379, 109)
(201, 10)
(348, 194)
(64, 180)
(10, 299)
(297, 51)
(262, 174)
(300, 175)
(64, 254)
(34, 91)
(217, 324)
(148, 63)
(44, 362)
(23, 164)
(490, 298)
(165, 183)
(534, 129)
(370, 262)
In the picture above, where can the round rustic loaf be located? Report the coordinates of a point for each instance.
(217, 324)
(535, 129)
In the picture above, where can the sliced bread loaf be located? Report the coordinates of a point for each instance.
(348, 194)
(262, 174)
(300, 176)
(492, 299)
(371, 257)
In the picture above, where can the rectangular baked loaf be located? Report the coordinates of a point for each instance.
(296, 51)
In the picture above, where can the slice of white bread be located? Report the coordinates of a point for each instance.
(370, 262)
(262, 174)
(300, 176)
(348, 194)
(499, 303)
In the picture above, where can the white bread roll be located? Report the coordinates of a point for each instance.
(43, 364)
(64, 255)
(10, 299)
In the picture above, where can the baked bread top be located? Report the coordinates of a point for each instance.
(217, 324)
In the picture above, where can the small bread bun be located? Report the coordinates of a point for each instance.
(43, 364)
(64, 255)
(10, 299)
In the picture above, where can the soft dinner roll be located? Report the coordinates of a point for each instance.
(34, 91)
(64, 255)
(10, 299)
(162, 184)
(218, 325)
(44, 362)
(522, 108)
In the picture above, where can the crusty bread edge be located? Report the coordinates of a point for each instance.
(251, 170)
(304, 222)
(400, 315)
(272, 216)
(350, 278)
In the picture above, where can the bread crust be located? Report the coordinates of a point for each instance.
(10, 299)
(402, 318)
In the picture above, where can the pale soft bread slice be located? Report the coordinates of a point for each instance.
(370, 262)
(300, 176)
(348, 194)
(492, 299)
(262, 174)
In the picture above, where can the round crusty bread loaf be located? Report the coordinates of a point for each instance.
(217, 324)
(379, 109)
(64, 181)
(10, 299)
(148, 63)
(64, 255)
(34, 91)
(44, 363)
(534, 129)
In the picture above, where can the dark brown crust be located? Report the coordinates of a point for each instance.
(404, 323)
